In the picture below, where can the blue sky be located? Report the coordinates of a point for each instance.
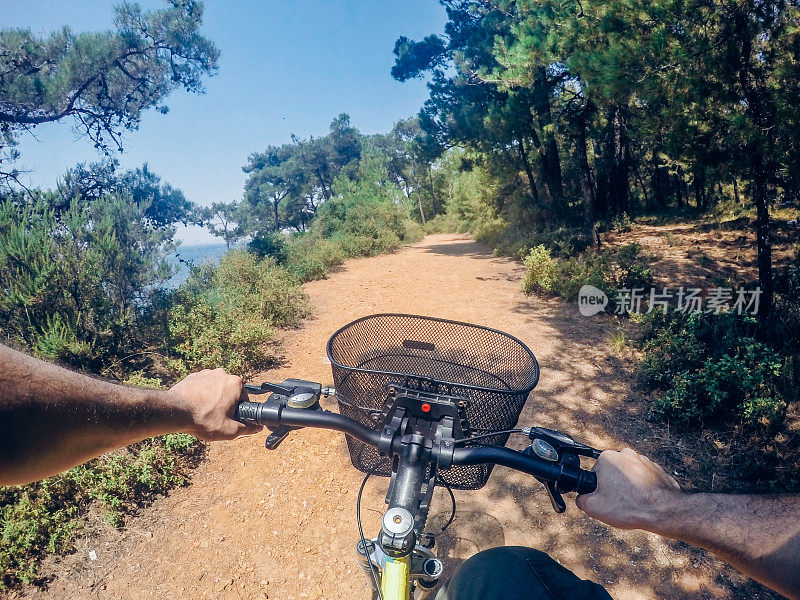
(286, 67)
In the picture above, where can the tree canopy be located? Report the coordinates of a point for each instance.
(103, 81)
(606, 104)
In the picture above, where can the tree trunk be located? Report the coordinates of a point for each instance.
(618, 162)
(699, 186)
(523, 155)
(433, 190)
(587, 188)
(550, 160)
(658, 185)
(643, 186)
(736, 191)
(764, 238)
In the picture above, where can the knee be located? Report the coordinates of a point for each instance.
(496, 574)
(504, 558)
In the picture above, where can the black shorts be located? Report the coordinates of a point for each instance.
(517, 573)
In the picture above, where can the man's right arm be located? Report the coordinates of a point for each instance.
(759, 535)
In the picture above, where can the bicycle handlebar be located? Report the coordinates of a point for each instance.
(568, 478)
(273, 414)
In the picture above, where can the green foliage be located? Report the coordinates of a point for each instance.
(622, 223)
(713, 369)
(226, 315)
(468, 205)
(270, 244)
(444, 223)
(312, 257)
(628, 267)
(103, 80)
(602, 110)
(80, 283)
(609, 270)
(221, 219)
(367, 215)
(42, 518)
(286, 183)
(542, 273)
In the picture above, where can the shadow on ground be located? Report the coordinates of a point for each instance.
(589, 392)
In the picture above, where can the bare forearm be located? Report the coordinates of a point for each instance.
(759, 535)
(53, 419)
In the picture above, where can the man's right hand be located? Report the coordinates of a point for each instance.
(630, 490)
(759, 535)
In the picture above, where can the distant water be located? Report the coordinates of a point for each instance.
(185, 256)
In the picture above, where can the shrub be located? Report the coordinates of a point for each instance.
(608, 270)
(469, 209)
(78, 285)
(443, 223)
(712, 368)
(622, 223)
(368, 216)
(312, 257)
(42, 518)
(628, 267)
(542, 273)
(270, 244)
(225, 316)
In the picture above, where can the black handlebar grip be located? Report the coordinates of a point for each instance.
(587, 482)
(247, 412)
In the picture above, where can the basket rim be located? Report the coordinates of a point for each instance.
(525, 390)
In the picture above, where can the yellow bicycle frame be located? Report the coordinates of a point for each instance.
(396, 578)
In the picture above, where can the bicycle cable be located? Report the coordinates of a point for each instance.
(486, 435)
(361, 530)
(453, 512)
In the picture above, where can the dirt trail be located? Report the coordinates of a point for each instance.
(281, 524)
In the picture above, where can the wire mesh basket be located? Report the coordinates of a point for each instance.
(492, 370)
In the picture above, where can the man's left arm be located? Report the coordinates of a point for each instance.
(52, 419)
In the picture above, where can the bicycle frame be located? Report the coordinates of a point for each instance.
(402, 563)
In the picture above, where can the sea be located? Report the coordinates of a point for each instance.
(185, 256)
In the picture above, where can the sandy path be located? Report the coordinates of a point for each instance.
(281, 525)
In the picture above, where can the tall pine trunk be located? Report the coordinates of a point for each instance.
(615, 189)
(526, 165)
(550, 162)
(763, 235)
(585, 175)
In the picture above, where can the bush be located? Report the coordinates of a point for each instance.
(608, 270)
(368, 216)
(470, 208)
(622, 223)
(42, 518)
(628, 267)
(79, 284)
(443, 223)
(270, 244)
(225, 316)
(542, 273)
(312, 257)
(711, 368)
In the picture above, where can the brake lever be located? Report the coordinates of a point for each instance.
(558, 443)
(267, 388)
(556, 499)
(276, 436)
(555, 446)
(301, 394)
